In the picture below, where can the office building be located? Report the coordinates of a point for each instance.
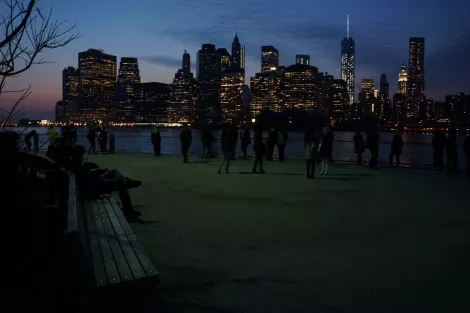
(366, 97)
(339, 98)
(368, 87)
(458, 108)
(152, 104)
(400, 107)
(209, 69)
(302, 59)
(67, 109)
(269, 59)
(70, 77)
(231, 96)
(182, 104)
(298, 87)
(265, 93)
(128, 78)
(225, 59)
(97, 80)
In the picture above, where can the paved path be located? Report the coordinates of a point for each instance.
(392, 240)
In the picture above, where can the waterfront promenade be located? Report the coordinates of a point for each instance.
(357, 240)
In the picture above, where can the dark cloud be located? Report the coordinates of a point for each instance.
(166, 61)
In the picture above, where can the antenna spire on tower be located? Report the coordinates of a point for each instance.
(347, 26)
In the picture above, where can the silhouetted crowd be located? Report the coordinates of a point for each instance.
(94, 181)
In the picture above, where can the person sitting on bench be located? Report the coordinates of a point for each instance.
(94, 181)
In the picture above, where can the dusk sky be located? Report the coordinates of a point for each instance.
(158, 31)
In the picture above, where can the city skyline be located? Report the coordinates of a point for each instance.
(319, 37)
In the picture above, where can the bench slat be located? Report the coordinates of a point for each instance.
(144, 260)
(108, 261)
(118, 254)
(95, 250)
(72, 222)
(131, 258)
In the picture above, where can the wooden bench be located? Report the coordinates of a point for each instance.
(111, 251)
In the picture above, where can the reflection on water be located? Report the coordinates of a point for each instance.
(417, 149)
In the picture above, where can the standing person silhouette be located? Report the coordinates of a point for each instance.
(234, 138)
(438, 143)
(206, 139)
(312, 142)
(156, 140)
(259, 149)
(373, 139)
(246, 140)
(227, 148)
(325, 149)
(272, 139)
(466, 151)
(282, 138)
(331, 139)
(27, 139)
(186, 138)
(91, 136)
(103, 139)
(396, 148)
(451, 152)
(358, 147)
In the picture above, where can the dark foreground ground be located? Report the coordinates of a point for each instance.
(393, 240)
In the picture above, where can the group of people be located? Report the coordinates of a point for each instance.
(441, 142)
(319, 146)
(102, 132)
(372, 143)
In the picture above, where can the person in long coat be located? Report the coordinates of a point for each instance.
(260, 149)
(396, 149)
(312, 142)
(359, 147)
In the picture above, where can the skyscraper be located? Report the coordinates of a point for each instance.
(128, 78)
(269, 59)
(384, 85)
(366, 96)
(186, 62)
(302, 59)
(238, 55)
(415, 86)
(402, 80)
(182, 104)
(348, 64)
(209, 68)
(382, 109)
(70, 77)
(208, 63)
(97, 82)
(66, 110)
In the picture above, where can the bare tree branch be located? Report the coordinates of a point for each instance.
(25, 32)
